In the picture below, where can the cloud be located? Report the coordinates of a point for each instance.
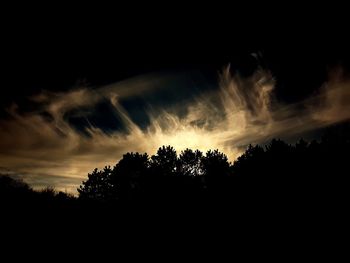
(45, 148)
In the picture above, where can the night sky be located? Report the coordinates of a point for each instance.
(80, 90)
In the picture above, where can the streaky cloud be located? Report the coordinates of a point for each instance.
(239, 112)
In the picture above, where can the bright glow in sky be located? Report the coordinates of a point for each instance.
(50, 151)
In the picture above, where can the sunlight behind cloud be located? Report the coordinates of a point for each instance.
(239, 112)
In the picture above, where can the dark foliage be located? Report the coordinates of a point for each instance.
(301, 176)
(276, 174)
(17, 195)
(301, 187)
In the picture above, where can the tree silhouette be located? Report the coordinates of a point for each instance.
(98, 186)
(279, 175)
(190, 163)
(164, 162)
(216, 168)
(128, 175)
(250, 163)
(279, 185)
(13, 189)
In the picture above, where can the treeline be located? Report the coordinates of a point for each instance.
(295, 195)
(16, 194)
(275, 174)
(307, 174)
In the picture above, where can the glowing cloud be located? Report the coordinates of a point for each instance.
(43, 147)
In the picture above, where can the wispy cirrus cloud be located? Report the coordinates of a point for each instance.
(45, 146)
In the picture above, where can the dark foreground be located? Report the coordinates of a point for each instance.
(280, 197)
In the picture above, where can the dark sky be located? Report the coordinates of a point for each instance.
(60, 47)
(66, 55)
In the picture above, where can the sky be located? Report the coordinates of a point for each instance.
(75, 97)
